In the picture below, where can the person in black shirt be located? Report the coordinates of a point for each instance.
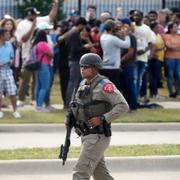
(128, 74)
(75, 50)
(63, 61)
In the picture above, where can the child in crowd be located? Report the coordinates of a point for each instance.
(7, 83)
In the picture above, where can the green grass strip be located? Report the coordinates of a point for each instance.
(52, 153)
(141, 115)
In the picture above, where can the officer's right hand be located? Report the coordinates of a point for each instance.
(95, 121)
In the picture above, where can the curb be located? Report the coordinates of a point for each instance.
(116, 164)
(17, 128)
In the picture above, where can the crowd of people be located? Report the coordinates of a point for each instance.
(137, 52)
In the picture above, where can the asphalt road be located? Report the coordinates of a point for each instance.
(138, 168)
(54, 139)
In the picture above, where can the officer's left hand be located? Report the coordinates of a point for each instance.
(95, 121)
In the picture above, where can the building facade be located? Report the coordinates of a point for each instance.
(126, 5)
(10, 6)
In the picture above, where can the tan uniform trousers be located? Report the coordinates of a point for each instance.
(91, 161)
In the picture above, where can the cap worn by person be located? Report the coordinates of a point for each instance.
(7, 16)
(109, 24)
(126, 21)
(44, 26)
(30, 11)
(91, 60)
(74, 13)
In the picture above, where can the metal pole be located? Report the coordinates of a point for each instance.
(17, 8)
(163, 4)
(79, 7)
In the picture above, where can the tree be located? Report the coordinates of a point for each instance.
(42, 5)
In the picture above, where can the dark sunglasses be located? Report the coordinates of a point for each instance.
(85, 66)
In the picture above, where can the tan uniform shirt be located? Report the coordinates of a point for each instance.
(105, 91)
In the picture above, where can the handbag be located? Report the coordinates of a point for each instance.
(33, 63)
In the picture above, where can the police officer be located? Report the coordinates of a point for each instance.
(97, 102)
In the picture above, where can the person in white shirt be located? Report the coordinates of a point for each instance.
(24, 35)
(145, 38)
(111, 47)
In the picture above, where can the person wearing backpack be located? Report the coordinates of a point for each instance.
(24, 33)
(43, 74)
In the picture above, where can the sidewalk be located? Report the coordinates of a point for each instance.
(28, 107)
(53, 135)
(169, 104)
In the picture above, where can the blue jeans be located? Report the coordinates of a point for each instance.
(129, 79)
(47, 98)
(173, 70)
(141, 68)
(42, 84)
(74, 80)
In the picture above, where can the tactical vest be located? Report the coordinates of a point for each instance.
(85, 107)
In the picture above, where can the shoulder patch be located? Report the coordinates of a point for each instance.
(108, 88)
(102, 82)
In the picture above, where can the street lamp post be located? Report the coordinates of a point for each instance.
(17, 7)
(79, 7)
(163, 4)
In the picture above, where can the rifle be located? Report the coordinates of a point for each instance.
(70, 122)
(64, 149)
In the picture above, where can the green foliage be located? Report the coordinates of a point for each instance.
(42, 6)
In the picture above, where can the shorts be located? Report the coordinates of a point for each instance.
(7, 83)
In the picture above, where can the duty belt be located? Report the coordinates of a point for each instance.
(84, 130)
